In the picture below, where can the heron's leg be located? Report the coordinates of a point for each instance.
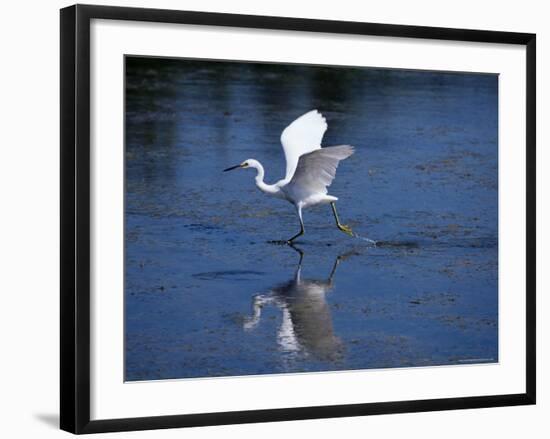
(337, 261)
(298, 272)
(333, 271)
(302, 230)
(342, 227)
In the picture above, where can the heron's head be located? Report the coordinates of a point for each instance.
(249, 163)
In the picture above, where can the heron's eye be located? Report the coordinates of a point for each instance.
(245, 164)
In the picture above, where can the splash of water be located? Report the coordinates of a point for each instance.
(363, 238)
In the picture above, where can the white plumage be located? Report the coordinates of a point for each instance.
(300, 137)
(315, 172)
(310, 169)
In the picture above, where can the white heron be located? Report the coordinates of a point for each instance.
(310, 169)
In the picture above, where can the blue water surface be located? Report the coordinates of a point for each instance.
(207, 295)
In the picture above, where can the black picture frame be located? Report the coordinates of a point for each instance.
(75, 217)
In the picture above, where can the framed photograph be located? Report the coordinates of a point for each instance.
(369, 249)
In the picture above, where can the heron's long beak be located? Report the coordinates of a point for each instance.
(232, 167)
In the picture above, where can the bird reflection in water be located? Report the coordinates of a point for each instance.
(306, 326)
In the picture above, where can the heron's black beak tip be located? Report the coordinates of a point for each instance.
(231, 168)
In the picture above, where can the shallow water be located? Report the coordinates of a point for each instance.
(207, 295)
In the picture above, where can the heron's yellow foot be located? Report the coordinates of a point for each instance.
(345, 229)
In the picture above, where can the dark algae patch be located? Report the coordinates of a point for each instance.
(207, 295)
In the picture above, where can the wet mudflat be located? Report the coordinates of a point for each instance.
(207, 295)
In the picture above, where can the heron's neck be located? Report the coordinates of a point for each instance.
(267, 188)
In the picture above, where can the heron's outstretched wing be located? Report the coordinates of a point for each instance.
(300, 137)
(317, 169)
